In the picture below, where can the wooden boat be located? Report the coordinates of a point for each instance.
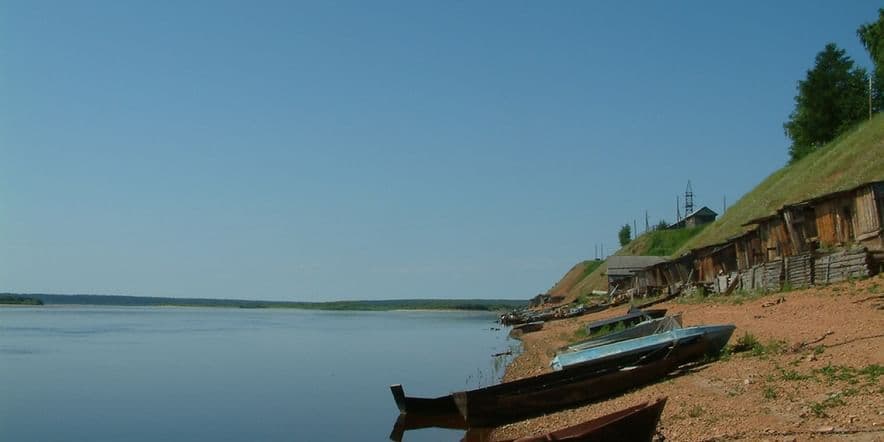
(633, 316)
(444, 406)
(441, 406)
(501, 404)
(524, 398)
(636, 424)
(646, 328)
(523, 316)
(638, 348)
(529, 327)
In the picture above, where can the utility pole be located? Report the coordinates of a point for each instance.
(677, 209)
(723, 204)
(870, 97)
(688, 200)
(647, 227)
(634, 230)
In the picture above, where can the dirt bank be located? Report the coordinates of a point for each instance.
(828, 390)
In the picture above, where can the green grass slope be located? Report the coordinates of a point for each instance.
(576, 274)
(587, 276)
(852, 159)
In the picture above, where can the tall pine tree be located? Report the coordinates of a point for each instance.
(830, 100)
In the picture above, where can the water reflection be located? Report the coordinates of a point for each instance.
(407, 422)
(439, 414)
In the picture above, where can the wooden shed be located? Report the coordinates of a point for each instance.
(712, 260)
(851, 216)
(748, 250)
(622, 270)
(774, 237)
(703, 215)
(869, 200)
(800, 222)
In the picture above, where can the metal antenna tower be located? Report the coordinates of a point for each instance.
(688, 200)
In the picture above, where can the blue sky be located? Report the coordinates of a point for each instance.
(365, 150)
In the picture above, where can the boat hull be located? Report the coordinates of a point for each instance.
(638, 348)
(646, 328)
(637, 424)
(483, 408)
(632, 317)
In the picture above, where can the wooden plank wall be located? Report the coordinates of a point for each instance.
(747, 279)
(867, 218)
(758, 277)
(705, 269)
(826, 222)
(773, 275)
(841, 266)
(798, 270)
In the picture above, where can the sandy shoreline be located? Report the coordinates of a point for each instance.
(830, 390)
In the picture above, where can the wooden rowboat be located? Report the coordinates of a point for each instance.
(441, 406)
(529, 327)
(637, 424)
(497, 405)
(524, 398)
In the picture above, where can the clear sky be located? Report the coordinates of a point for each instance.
(365, 150)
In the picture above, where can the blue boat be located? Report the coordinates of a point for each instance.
(633, 351)
(633, 316)
(646, 328)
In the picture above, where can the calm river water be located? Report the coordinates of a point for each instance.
(196, 374)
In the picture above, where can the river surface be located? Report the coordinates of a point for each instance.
(203, 374)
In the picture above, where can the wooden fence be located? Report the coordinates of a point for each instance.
(798, 270)
(841, 266)
(806, 270)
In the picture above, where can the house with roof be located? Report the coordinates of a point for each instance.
(703, 215)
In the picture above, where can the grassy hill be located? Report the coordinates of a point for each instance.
(574, 276)
(587, 276)
(854, 158)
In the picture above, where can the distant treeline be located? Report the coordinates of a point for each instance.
(8, 298)
(392, 304)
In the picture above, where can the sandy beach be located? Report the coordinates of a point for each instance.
(830, 388)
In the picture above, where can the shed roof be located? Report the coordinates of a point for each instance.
(702, 211)
(622, 265)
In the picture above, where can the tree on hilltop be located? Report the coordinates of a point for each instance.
(625, 234)
(830, 100)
